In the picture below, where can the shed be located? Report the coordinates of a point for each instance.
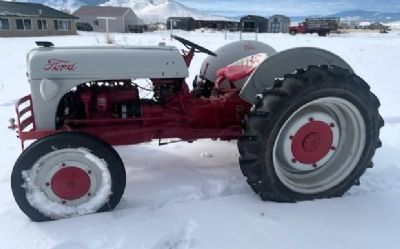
(21, 19)
(278, 24)
(253, 23)
(183, 23)
(125, 19)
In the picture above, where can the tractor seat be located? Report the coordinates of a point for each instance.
(239, 70)
(234, 72)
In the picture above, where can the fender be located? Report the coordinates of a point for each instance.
(285, 62)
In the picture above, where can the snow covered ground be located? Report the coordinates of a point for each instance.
(193, 195)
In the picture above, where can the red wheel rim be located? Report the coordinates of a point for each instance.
(70, 183)
(312, 142)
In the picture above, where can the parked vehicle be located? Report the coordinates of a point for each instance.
(307, 125)
(84, 26)
(138, 28)
(321, 26)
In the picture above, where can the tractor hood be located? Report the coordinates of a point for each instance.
(107, 62)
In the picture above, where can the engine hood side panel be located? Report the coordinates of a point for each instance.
(114, 62)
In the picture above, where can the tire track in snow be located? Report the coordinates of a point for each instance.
(210, 189)
(180, 239)
(384, 180)
(392, 120)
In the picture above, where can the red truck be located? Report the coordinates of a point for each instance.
(321, 26)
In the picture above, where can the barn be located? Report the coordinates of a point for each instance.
(183, 23)
(253, 23)
(278, 24)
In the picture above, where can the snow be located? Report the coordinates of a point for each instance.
(178, 197)
(37, 198)
(394, 25)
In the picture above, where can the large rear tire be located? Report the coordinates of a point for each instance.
(67, 174)
(312, 135)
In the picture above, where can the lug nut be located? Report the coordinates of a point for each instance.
(333, 148)
(63, 202)
(47, 184)
(89, 194)
(294, 160)
(291, 137)
(311, 119)
(315, 165)
(89, 172)
(332, 125)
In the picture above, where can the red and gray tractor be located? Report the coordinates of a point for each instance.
(307, 126)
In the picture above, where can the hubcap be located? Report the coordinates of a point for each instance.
(70, 183)
(319, 145)
(312, 142)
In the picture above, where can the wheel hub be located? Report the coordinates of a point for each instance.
(70, 183)
(312, 142)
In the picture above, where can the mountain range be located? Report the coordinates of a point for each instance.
(151, 11)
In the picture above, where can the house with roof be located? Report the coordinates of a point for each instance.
(22, 19)
(120, 19)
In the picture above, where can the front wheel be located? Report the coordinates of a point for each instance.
(312, 135)
(67, 174)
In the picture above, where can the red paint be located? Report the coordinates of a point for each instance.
(248, 46)
(312, 142)
(59, 65)
(182, 116)
(70, 183)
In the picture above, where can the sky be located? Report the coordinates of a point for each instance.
(290, 7)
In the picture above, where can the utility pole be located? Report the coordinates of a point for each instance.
(171, 24)
(257, 34)
(226, 33)
(107, 19)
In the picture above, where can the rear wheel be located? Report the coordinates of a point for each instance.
(293, 32)
(67, 174)
(310, 136)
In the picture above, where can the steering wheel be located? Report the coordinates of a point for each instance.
(190, 45)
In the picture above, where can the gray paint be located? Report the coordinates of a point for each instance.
(91, 64)
(287, 62)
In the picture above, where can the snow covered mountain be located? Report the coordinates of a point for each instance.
(152, 11)
(70, 5)
(359, 16)
(371, 16)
